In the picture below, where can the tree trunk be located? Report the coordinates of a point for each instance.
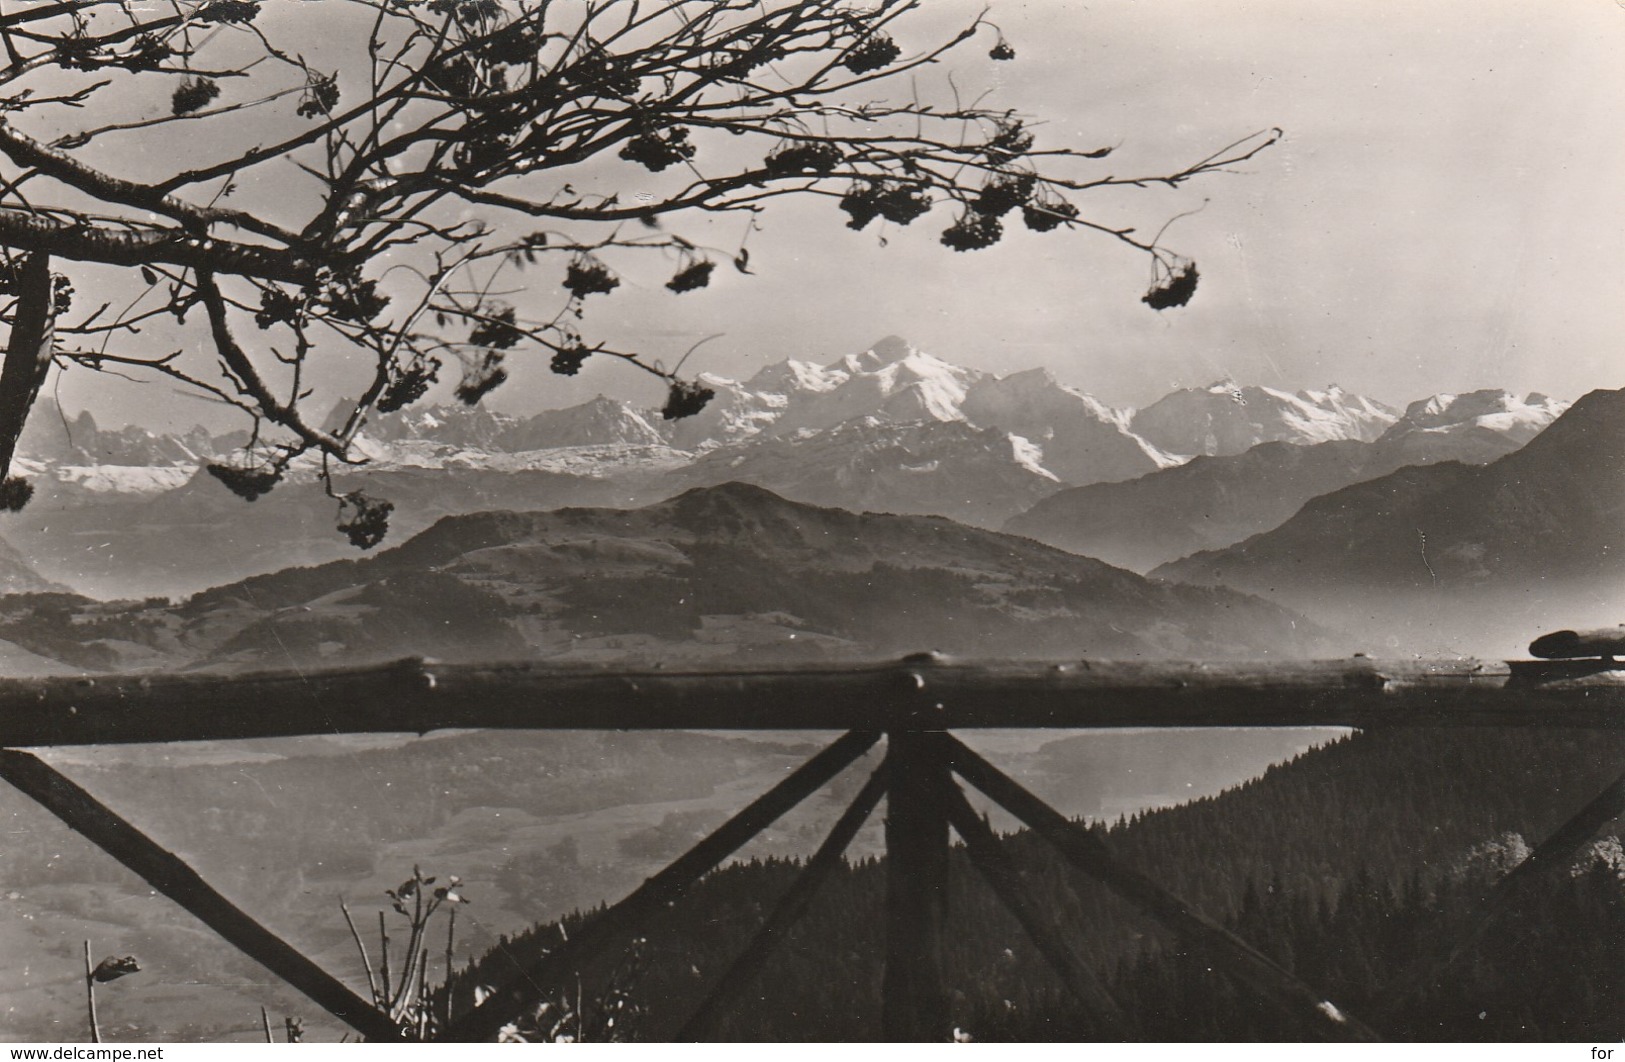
(28, 356)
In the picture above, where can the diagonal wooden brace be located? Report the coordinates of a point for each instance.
(622, 921)
(791, 906)
(1086, 852)
(996, 866)
(167, 873)
(1440, 951)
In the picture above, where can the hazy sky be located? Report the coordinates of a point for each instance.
(1444, 213)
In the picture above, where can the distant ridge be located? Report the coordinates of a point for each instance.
(1554, 508)
(1532, 539)
(1213, 502)
(725, 573)
(17, 576)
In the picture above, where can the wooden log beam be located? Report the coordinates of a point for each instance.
(791, 906)
(419, 696)
(618, 924)
(1434, 955)
(914, 998)
(1533, 674)
(1605, 643)
(167, 873)
(1009, 884)
(1089, 854)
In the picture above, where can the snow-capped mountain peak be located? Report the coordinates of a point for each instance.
(1228, 418)
(603, 421)
(794, 375)
(891, 380)
(459, 425)
(1491, 410)
(1446, 409)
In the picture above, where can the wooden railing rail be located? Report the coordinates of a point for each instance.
(419, 696)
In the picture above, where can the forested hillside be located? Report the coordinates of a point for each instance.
(1333, 864)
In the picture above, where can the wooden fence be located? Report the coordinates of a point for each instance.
(913, 703)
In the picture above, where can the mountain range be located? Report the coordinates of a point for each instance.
(1058, 434)
(1066, 436)
(1306, 512)
(727, 573)
(1215, 501)
(1531, 540)
(128, 513)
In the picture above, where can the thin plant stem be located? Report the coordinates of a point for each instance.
(383, 938)
(451, 936)
(90, 997)
(366, 963)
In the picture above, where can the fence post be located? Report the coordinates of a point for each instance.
(914, 1005)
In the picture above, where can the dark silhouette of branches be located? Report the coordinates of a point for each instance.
(293, 222)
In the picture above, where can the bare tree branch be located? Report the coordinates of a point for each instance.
(383, 207)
